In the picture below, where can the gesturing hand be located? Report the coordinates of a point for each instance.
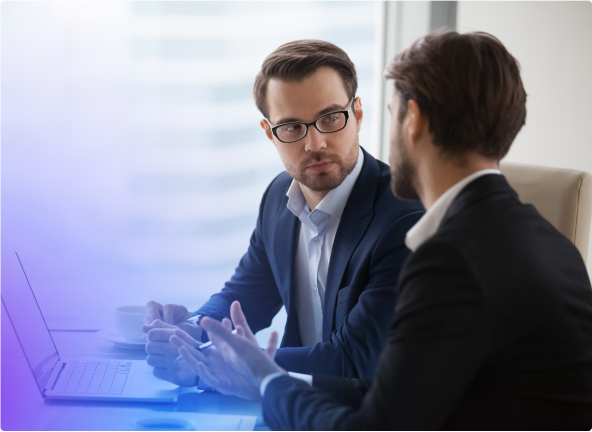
(237, 364)
(213, 369)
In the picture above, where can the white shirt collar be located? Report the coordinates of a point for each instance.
(334, 202)
(430, 221)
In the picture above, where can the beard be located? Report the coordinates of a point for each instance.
(325, 180)
(403, 173)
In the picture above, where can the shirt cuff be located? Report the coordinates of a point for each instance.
(304, 377)
(269, 378)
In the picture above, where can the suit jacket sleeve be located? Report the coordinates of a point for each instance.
(355, 346)
(437, 344)
(252, 284)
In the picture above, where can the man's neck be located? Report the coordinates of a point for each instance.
(437, 175)
(313, 198)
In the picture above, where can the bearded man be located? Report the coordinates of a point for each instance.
(493, 326)
(330, 237)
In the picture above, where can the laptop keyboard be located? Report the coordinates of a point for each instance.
(94, 377)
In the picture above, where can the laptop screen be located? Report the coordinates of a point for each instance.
(19, 302)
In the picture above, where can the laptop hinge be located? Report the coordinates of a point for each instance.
(55, 375)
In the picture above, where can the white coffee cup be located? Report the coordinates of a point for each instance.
(128, 320)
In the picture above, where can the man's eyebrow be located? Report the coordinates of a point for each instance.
(327, 110)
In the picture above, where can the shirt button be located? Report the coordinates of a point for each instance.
(314, 287)
(316, 240)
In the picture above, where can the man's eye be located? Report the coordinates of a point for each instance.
(331, 118)
(293, 128)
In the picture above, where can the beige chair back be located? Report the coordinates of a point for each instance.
(562, 196)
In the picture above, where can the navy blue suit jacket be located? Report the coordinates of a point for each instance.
(360, 293)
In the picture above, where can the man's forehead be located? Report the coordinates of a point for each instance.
(300, 100)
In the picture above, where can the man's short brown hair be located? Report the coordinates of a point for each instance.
(298, 60)
(469, 87)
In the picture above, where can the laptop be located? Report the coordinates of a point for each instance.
(95, 378)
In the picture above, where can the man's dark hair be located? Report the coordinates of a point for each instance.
(298, 60)
(468, 86)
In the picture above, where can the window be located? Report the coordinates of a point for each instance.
(122, 180)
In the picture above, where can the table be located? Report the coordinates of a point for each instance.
(24, 408)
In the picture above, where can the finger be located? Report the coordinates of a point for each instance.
(163, 362)
(227, 324)
(154, 310)
(158, 324)
(272, 344)
(220, 335)
(191, 361)
(160, 334)
(168, 313)
(239, 319)
(154, 324)
(207, 377)
(146, 328)
(186, 337)
(178, 343)
(162, 349)
(192, 329)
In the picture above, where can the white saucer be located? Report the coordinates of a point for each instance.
(117, 340)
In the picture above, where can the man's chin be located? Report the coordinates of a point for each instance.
(402, 188)
(322, 182)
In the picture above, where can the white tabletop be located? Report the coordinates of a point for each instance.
(23, 407)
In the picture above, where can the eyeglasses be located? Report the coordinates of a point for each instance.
(327, 123)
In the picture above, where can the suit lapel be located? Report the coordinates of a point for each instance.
(285, 242)
(356, 217)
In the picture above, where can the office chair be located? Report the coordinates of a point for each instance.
(562, 196)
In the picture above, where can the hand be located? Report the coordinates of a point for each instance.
(169, 313)
(162, 355)
(169, 316)
(240, 353)
(212, 367)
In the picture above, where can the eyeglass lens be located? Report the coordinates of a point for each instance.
(328, 123)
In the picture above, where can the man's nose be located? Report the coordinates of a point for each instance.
(314, 140)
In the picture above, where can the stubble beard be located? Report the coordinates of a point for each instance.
(325, 181)
(403, 173)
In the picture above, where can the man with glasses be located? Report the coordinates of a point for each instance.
(329, 240)
(493, 327)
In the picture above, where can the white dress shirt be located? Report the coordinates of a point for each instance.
(313, 254)
(416, 236)
(430, 221)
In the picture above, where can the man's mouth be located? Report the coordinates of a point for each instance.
(322, 166)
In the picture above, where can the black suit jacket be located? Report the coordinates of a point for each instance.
(493, 330)
(368, 253)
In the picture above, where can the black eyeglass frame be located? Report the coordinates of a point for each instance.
(312, 123)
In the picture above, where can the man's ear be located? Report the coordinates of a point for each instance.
(359, 112)
(415, 121)
(267, 130)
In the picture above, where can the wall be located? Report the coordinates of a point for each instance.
(551, 40)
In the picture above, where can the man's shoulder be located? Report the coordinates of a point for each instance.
(280, 183)
(277, 189)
